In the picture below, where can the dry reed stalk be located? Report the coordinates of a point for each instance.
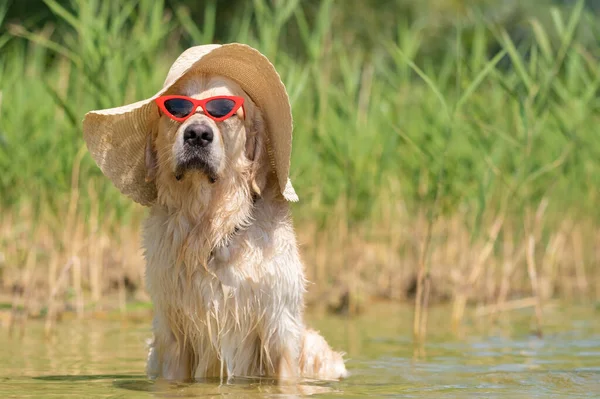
(21, 300)
(29, 281)
(52, 270)
(70, 231)
(348, 262)
(454, 249)
(462, 294)
(596, 246)
(566, 264)
(579, 258)
(95, 247)
(394, 243)
(556, 245)
(122, 294)
(399, 272)
(321, 259)
(508, 264)
(76, 275)
(508, 272)
(531, 270)
(51, 314)
(394, 218)
(424, 314)
(420, 299)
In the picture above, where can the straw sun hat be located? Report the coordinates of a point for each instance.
(116, 137)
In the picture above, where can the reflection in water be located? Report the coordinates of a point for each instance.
(249, 388)
(107, 359)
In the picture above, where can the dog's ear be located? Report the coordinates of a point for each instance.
(254, 152)
(151, 160)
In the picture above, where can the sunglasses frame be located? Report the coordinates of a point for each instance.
(239, 102)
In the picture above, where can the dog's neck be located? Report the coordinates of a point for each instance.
(242, 226)
(209, 217)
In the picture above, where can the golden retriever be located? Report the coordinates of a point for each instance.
(223, 267)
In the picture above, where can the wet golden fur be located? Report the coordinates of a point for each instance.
(226, 303)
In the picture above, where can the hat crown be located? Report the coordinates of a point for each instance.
(186, 60)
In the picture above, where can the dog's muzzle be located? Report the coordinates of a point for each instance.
(197, 152)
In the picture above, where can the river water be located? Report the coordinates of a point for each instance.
(503, 359)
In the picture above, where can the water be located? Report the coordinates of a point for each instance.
(105, 359)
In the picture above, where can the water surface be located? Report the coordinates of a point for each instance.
(106, 358)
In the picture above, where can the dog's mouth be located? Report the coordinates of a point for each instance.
(198, 163)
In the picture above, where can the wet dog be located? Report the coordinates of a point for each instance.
(223, 268)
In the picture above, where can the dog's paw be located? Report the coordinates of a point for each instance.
(318, 360)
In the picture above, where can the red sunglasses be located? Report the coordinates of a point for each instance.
(218, 108)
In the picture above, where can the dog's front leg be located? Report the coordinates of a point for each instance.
(281, 341)
(168, 358)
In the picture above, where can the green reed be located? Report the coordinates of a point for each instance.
(449, 120)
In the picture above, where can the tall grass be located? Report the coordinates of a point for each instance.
(448, 160)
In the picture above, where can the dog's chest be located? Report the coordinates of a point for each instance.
(204, 286)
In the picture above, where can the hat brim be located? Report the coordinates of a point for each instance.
(116, 137)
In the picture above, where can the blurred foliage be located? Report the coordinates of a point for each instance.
(470, 106)
(363, 23)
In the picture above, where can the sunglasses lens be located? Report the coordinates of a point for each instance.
(220, 107)
(179, 107)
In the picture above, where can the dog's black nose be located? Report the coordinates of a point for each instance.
(198, 135)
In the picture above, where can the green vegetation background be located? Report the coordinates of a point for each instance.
(449, 109)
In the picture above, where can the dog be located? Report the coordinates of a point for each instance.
(209, 154)
(223, 268)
